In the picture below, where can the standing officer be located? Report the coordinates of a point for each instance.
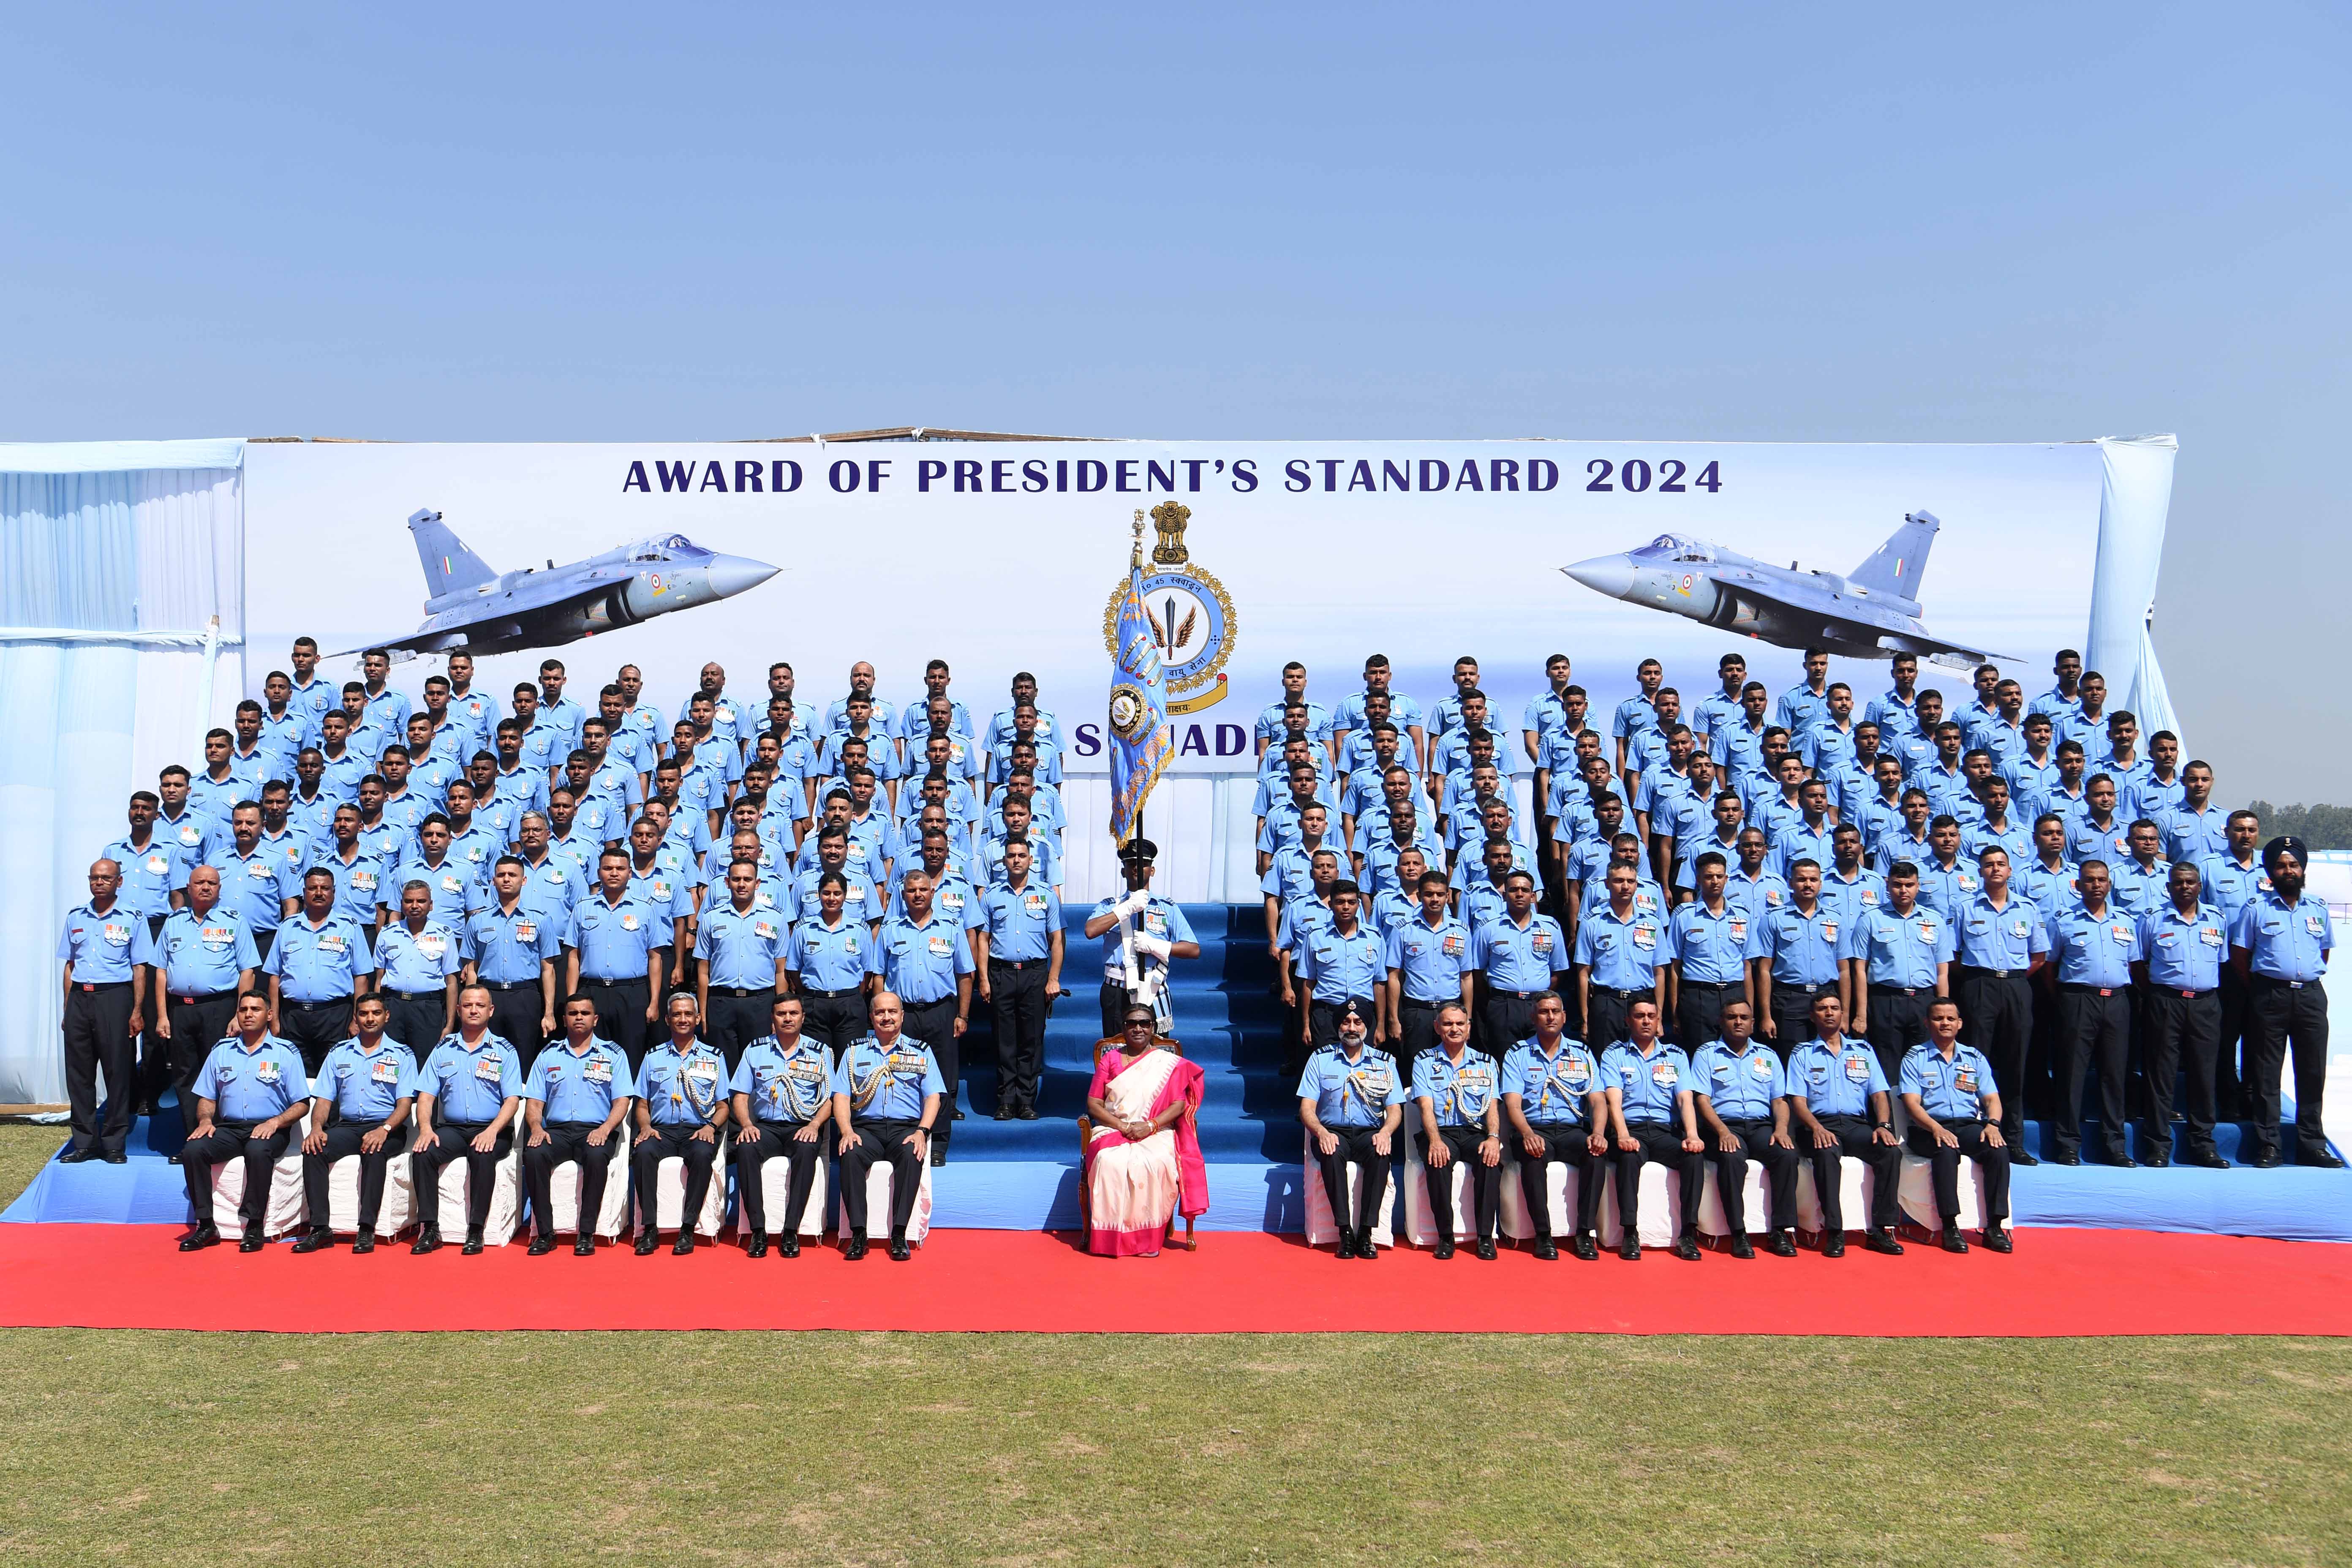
(2184, 944)
(886, 1098)
(2280, 944)
(1429, 965)
(1839, 1094)
(417, 963)
(1161, 933)
(1742, 1096)
(2000, 938)
(1649, 1084)
(108, 950)
(1955, 1110)
(204, 962)
(682, 1105)
(2232, 880)
(1707, 941)
(1461, 1119)
(924, 959)
(318, 963)
(1621, 957)
(1553, 1098)
(1898, 959)
(261, 881)
(467, 1094)
(1020, 969)
(783, 1093)
(826, 962)
(2092, 947)
(1341, 963)
(250, 1095)
(1796, 960)
(369, 1082)
(511, 948)
(614, 942)
(743, 948)
(1351, 1101)
(573, 1103)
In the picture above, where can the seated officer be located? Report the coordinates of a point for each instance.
(467, 1094)
(1742, 1096)
(783, 1093)
(1460, 1119)
(1948, 1090)
(573, 1102)
(1839, 1092)
(1351, 1100)
(887, 1095)
(681, 1105)
(1649, 1083)
(1553, 1098)
(369, 1082)
(250, 1094)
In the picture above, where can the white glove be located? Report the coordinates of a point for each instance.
(1158, 947)
(1135, 903)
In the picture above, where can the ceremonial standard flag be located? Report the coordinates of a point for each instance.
(1141, 739)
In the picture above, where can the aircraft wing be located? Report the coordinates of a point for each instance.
(495, 615)
(1908, 637)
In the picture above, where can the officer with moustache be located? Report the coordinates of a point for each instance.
(1455, 1090)
(924, 959)
(681, 1107)
(468, 1095)
(2280, 944)
(249, 1096)
(1351, 1101)
(361, 1104)
(1955, 1110)
(205, 960)
(573, 1103)
(1742, 1099)
(1558, 1109)
(887, 1095)
(783, 1099)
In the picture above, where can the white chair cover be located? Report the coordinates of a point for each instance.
(775, 1188)
(1321, 1231)
(881, 1179)
(611, 1209)
(1420, 1221)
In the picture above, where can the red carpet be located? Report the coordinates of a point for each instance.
(2058, 1282)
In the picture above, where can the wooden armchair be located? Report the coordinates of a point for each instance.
(1086, 1131)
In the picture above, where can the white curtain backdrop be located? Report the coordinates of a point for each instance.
(2133, 506)
(122, 641)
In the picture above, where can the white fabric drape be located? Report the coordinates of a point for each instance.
(2133, 504)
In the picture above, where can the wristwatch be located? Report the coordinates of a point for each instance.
(924, 1128)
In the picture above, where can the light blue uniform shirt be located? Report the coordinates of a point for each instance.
(1952, 1090)
(507, 949)
(1552, 1090)
(453, 884)
(1647, 1084)
(216, 797)
(861, 901)
(2284, 942)
(829, 958)
(2138, 890)
(2095, 950)
(1711, 948)
(1515, 957)
(2049, 889)
(418, 961)
(151, 874)
(920, 964)
(578, 1086)
(616, 941)
(784, 1086)
(1846, 899)
(2089, 840)
(1758, 896)
(741, 948)
(1338, 965)
(2193, 836)
(320, 963)
(2229, 886)
(1161, 919)
(257, 886)
(470, 1085)
(1430, 959)
(1622, 954)
(252, 1086)
(1896, 716)
(1319, 723)
(1020, 924)
(1351, 1092)
(1740, 1085)
(2184, 953)
(1798, 706)
(105, 948)
(1837, 1082)
(1458, 1092)
(203, 958)
(1946, 889)
(1301, 919)
(364, 1085)
(1801, 949)
(309, 704)
(2006, 938)
(1629, 721)
(1738, 749)
(1899, 950)
(195, 835)
(888, 1086)
(359, 884)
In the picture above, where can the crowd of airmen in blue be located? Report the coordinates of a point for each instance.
(2068, 897)
(337, 846)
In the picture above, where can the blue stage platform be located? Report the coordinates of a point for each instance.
(1022, 1175)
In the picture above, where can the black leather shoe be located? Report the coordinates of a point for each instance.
(1996, 1238)
(2157, 1162)
(313, 1240)
(427, 1240)
(788, 1245)
(2208, 1159)
(1443, 1250)
(1882, 1241)
(1952, 1240)
(758, 1246)
(647, 1241)
(1345, 1246)
(1630, 1249)
(2018, 1156)
(900, 1250)
(77, 1156)
(2123, 1162)
(939, 1156)
(364, 1243)
(204, 1236)
(1587, 1247)
(1686, 1248)
(253, 1242)
(956, 1117)
(585, 1246)
(1365, 1251)
(1486, 1248)
(1833, 1244)
(173, 1158)
(684, 1245)
(2065, 1159)
(855, 1251)
(119, 1158)
(540, 1245)
(1742, 1247)
(1544, 1250)
(2268, 1160)
(1780, 1244)
(2321, 1159)
(473, 1248)
(1028, 1113)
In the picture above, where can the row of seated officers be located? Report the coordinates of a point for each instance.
(472, 1098)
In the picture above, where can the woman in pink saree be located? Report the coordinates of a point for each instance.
(1142, 1159)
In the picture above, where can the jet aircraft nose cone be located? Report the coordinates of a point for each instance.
(1610, 574)
(733, 574)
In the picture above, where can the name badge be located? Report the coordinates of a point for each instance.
(384, 1072)
(487, 1069)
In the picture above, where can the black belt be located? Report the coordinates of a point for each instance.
(829, 996)
(509, 985)
(192, 1000)
(1801, 989)
(995, 962)
(92, 986)
(741, 990)
(422, 996)
(1523, 996)
(2091, 990)
(2258, 979)
(1878, 990)
(318, 1006)
(1611, 991)
(1710, 985)
(614, 983)
(2188, 995)
(922, 1002)
(1993, 973)
(1410, 1002)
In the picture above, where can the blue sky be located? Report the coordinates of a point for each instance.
(1735, 223)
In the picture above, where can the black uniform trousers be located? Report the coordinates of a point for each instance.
(620, 1014)
(454, 1141)
(1606, 1011)
(1657, 1140)
(98, 1039)
(777, 1141)
(835, 1017)
(644, 1165)
(416, 1017)
(343, 1140)
(1997, 1018)
(732, 1022)
(515, 1013)
(1898, 1021)
(1354, 1143)
(894, 1141)
(1943, 1165)
(314, 1028)
(1565, 1143)
(2280, 1014)
(2228, 1072)
(1731, 1172)
(567, 1141)
(1485, 1181)
(1418, 1021)
(197, 1025)
(2093, 1034)
(1699, 1012)
(1017, 1003)
(933, 1022)
(1504, 1018)
(2181, 1032)
(1853, 1137)
(1793, 1016)
(232, 1141)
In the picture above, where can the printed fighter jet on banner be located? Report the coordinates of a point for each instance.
(1870, 612)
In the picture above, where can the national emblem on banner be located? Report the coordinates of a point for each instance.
(1188, 614)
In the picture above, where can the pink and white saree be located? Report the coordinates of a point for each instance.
(1133, 1188)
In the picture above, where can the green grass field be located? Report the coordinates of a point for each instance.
(854, 1448)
